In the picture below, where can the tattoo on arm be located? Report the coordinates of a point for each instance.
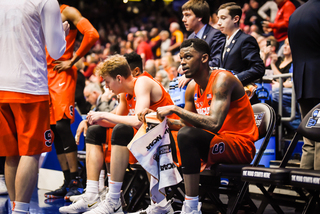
(175, 124)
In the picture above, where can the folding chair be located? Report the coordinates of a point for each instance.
(276, 177)
(237, 191)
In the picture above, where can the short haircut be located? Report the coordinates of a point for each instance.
(91, 87)
(200, 8)
(115, 65)
(198, 44)
(233, 8)
(134, 60)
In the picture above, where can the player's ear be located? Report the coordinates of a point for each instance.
(136, 72)
(204, 58)
(118, 78)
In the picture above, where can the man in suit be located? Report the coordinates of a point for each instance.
(304, 34)
(240, 52)
(196, 15)
(101, 102)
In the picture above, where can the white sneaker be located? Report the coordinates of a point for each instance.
(187, 210)
(3, 187)
(102, 195)
(157, 209)
(107, 206)
(80, 206)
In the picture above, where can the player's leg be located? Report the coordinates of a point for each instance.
(194, 145)
(95, 137)
(34, 138)
(121, 136)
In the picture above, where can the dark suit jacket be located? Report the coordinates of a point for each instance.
(304, 39)
(243, 58)
(215, 40)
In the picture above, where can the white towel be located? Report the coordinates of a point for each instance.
(153, 152)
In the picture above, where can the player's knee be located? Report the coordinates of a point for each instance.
(95, 135)
(63, 127)
(186, 138)
(122, 135)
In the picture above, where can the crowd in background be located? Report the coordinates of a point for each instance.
(155, 30)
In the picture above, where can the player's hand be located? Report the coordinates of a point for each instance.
(164, 111)
(66, 27)
(62, 65)
(183, 81)
(142, 115)
(94, 117)
(83, 126)
(265, 23)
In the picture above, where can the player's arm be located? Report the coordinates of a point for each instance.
(90, 36)
(51, 24)
(221, 91)
(189, 106)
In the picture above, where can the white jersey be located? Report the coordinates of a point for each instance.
(26, 27)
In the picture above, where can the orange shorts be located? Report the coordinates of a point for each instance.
(62, 87)
(229, 148)
(25, 128)
(132, 159)
(107, 148)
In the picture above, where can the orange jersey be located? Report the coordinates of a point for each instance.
(240, 118)
(164, 100)
(234, 142)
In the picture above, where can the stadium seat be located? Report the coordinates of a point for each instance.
(226, 178)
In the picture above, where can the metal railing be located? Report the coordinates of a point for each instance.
(293, 103)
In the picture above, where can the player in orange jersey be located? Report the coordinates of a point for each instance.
(62, 76)
(136, 94)
(217, 123)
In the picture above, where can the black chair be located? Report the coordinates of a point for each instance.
(237, 190)
(135, 188)
(297, 178)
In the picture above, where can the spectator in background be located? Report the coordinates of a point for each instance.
(155, 42)
(196, 14)
(166, 65)
(281, 22)
(269, 50)
(252, 16)
(270, 6)
(165, 42)
(242, 26)
(150, 67)
(142, 47)
(303, 32)
(240, 53)
(162, 77)
(176, 38)
(101, 102)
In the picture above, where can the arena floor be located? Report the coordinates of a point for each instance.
(40, 205)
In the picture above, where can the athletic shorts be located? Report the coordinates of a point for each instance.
(25, 128)
(107, 147)
(229, 148)
(62, 87)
